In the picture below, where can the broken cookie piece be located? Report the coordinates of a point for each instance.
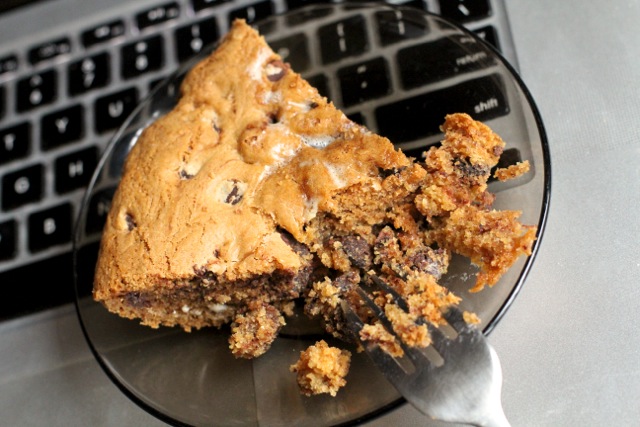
(512, 171)
(322, 369)
(253, 332)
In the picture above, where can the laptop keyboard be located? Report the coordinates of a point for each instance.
(62, 98)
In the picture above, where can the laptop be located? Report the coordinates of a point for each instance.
(71, 71)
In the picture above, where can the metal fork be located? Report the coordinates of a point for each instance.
(465, 387)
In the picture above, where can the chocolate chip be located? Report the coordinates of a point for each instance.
(131, 223)
(346, 281)
(385, 241)
(385, 173)
(203, 274)
(136, 300)
(185, 175)
(431, 261)
(234, 197)
(296, 246)
(276, 70)
(301, 278)
(357, 249)
(470, 170)
(273, 118)
(233, 191)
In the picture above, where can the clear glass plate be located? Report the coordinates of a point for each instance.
(192, 378)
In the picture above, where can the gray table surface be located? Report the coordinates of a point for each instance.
(569, 345)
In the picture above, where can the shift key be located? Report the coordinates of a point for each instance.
(420, 116)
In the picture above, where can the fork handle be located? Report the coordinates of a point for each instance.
(494, 414)
(496, 419)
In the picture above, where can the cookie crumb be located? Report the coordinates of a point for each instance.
(513, 171)
(322, 369)
(470, 318)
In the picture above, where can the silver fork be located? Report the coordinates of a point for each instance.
(464, 386)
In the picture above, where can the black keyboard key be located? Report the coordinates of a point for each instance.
(294, 50)
(489, 35)
(102, 33)
(97, 211)
(465, 10)
(8, 64)
(62, 127)
(418, 152)
(296, 4)
(253, 12)
(266, 27)
(158, 15)
(86, 260)
(22, 187)
(192, 38)
(15, 142)
(166, 93)
(142, 57)
(73, 171)
(299, 17)
(89, 73)
(418, 4)
(156, 82)
(364, 81)
(509, 157)
(111, 111)
(394, 26)
(320, 82)
(199, 5)
(119, 154)
(38, 286)
(49, 50)
(37, 90)
(357, 118)
(421, 116)
(50, 227)
(8, 237)
(342, 39)
(447, 57)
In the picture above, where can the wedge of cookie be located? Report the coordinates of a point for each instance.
(255, 191)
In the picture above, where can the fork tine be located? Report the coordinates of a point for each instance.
(438, 338)
(366, 298)
(382, 285)
(379, 356)
(413, 353)
(455, 318)
(354, 322)
(385, 360)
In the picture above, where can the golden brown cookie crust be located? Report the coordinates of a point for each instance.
(233, 128)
